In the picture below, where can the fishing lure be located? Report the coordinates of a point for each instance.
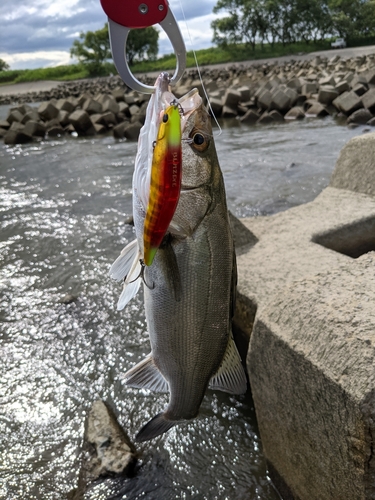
(165, 184)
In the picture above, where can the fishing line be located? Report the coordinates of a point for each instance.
(199, 71)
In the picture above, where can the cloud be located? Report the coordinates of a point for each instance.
(40, 31)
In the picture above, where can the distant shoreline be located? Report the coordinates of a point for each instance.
(47, 85)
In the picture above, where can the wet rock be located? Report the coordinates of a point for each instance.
(80, 120)
(244, 91)
(112, 451)
(231, 98)
(131, 131)
(47, 110)
(280, 101)
(216, 106)
(68, 299)
(361, 116)
(16, 137)
(4, 124)
(265, 118)
(348, 102)
(295, 113)
(276, 116)
(30, 115)
(229, 112)
(265, 99)
(316, 109)
(91, 106)
(368, 100)
(14, 116)
(111, 106)
(35, 128)
(65, 105)
(119, 130)
(108, 119)
(99, 128)
(327, 94)
(55, 131)
(250, 117)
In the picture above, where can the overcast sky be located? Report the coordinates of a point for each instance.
(39, 33)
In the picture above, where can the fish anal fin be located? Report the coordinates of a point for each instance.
(146, 375)
(230, 376)
(155, 427)
(122, 265)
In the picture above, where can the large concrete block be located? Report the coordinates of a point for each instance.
(312, 371)
(355, 167)
(310, 282)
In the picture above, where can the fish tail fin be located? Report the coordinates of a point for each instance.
(155, 427)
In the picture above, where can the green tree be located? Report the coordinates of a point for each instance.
(3, 65)
(142, 44)
(93, 48)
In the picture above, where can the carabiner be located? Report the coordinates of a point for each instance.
(124, 15)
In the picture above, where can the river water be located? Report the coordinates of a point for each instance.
(63, 203)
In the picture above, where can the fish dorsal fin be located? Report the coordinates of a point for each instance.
(230, 376)
(122, 265)
(146, 375)
(132, 282)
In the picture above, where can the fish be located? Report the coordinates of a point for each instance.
(190, 288)
(165, 182)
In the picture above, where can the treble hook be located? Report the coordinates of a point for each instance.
(142, 275)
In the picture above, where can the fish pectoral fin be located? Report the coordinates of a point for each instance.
(230, 376)
(155, 427)
(132, 282)
(146, 375)
(122, 265)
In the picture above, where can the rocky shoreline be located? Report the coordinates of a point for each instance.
(257, 94)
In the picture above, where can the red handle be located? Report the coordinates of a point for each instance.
(135, 13)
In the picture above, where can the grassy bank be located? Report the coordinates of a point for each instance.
(213, 55)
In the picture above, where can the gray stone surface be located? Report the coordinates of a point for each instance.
(309, 283)
(355, 168)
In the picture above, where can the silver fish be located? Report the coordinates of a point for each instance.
(189, 290)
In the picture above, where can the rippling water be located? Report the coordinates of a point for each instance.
(63, 204)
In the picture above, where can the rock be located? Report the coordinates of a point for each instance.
(55, 131)
(265, 118)
(17, 126)
(110, 105)
(352, 174)
(14, 116)
(327, 81)
(371, 122)
(3, 132)
(360, 89)
(231, 98)
(228, 112)
(244, 91)
(309, 88)
(265, 99)
(30, 115)
(99, 128)
(4, 124)
(16, 137)
(276, 116)
(68, 299)
(112, 451)
(216, 106)
(35, 128)
(80, 120)
(91, 106)
(118, 94)
(63, 118)
(370, 76)
(118, 130)
(342, 86)
(361, 116)
(65, 105)
(131, 131)
(124, 108)
(295, 113)
(327, 94)
(296, 84)
(280, 101)
(368, 100)
(316, 109)
(250, 117)
(108, 119)
(47, 110)
(348, 102)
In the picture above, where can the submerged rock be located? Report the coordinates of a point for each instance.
(112, 451)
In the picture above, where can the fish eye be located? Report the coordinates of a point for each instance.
(165, 118)
(199, 142)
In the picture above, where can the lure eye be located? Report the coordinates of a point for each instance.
(199, 142)
(165, 118)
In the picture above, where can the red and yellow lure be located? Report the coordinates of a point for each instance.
(165, 184)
